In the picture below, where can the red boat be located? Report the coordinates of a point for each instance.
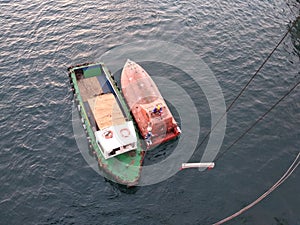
(151, 113)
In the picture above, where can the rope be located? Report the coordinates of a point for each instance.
(293, 166)
(258, 120)
(290, 9)
(247, 84)
(288, 173)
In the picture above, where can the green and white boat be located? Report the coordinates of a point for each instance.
(107, 121)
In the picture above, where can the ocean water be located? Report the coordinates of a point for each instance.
(44, 177)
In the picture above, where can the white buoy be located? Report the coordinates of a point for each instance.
(209, 165)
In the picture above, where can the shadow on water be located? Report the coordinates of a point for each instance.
(122, 188)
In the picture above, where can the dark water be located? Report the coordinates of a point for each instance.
(44, 178)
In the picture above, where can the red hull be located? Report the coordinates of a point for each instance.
(142, 96)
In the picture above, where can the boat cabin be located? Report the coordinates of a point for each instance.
(115, 135)
(161, 122)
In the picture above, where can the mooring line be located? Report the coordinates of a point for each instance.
(248, 83)
(258, 120)
(288, 173)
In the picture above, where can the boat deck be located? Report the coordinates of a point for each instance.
(102, 105)
(106, 111)
(89, 88)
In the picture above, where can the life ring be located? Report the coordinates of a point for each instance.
(108, 134)
(125, 132)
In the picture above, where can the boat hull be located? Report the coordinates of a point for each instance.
(124, 168)
(147, 106)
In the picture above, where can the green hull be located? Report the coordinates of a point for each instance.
(125, 168)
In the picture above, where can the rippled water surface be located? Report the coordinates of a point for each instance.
(44, 178)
